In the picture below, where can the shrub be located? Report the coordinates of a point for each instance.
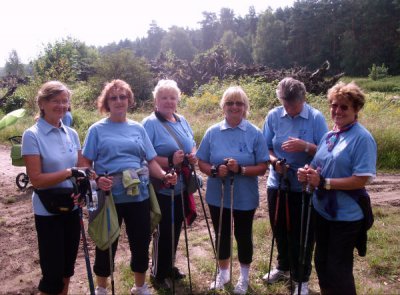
(14, 102)
(378, 72)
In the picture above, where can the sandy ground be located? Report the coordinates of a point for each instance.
(19, 263)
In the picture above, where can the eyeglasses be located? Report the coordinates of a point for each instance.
(59, 102)
(343, 107)
(236, 103)
(115, 97)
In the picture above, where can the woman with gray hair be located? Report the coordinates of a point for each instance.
(292, 132)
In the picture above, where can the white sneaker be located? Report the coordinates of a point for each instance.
(241, 286)
(275, 275)
(219, 282)
(100, 291)
(143, 290)
(304, 288)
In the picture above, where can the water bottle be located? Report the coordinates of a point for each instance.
(93, 203)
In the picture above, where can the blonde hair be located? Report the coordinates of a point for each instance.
(350, 91)
(49, 90)
(102, 100)
(236, 92)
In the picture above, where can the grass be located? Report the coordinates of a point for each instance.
(377, 273)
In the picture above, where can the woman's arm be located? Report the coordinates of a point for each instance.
(38, 178)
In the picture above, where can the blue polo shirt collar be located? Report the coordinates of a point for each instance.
(304, 112)
(47, 128)
(242, 125)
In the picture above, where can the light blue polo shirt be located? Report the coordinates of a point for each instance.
(165, 144)
(354, 154)
(243, 143)
(58, 150)
(309, 125)
(115, 147)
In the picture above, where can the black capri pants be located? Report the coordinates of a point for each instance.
(136, 216)
(58, 241)
(243, 230)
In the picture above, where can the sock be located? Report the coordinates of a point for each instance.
(224, 273)
(244, 272)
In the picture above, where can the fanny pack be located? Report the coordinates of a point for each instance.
(57, 200)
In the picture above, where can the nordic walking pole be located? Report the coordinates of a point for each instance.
(86, 252)
(221, 209)
(301, 266)
(288, 227)
(186, 240)
(231, 178)
(172, 187)
(275, 221)
(303, 255)
(204, 210)
(109, 242)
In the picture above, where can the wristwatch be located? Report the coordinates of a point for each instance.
(214, 171)
(327, 185)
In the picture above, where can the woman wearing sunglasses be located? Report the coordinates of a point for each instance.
(344, 163)
(233, 153)
(116, 145)
(292, 132)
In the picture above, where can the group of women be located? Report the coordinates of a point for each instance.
(294, 142)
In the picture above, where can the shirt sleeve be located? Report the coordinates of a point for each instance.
(90, 146)
(268, 132)
(203, 152)
(261, 149)
(364, 157)
(321, 127)
(29, 144)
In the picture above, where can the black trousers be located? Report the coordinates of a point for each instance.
(137, 222)
(243, 230)
(288, 238)
(334, 248)
(162, 237)
(58, 240)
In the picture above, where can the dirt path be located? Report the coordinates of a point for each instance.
(19, 263)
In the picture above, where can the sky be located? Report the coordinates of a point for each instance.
(27, 25)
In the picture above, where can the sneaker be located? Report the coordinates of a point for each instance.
(276, 275)
(178, 275)
(219, 282)
(100, 291)
(241, 286)
(143, 290)
(304, 288)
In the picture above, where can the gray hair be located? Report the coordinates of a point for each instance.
(166, 85)
(291, 90)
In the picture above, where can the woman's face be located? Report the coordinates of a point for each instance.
(234, 109)
(55, 108)
(293, 108)
(118, 102)
(342, 112)
(167, 101)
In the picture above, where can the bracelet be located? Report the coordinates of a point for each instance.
(307, 149)
(243, 172)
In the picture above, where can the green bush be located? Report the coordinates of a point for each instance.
(378, 72)
(13, 102)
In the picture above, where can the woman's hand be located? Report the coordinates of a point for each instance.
(170, 179)
(309, 176)
(178, 157)
(78, 201)
(105, 183)
(294, 144)
(191, 158)
(232, 165)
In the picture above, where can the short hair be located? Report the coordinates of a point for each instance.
(166, 84)
(351, 91)
(49, 90)
(291, 90)
(236, 92)
(102, 100)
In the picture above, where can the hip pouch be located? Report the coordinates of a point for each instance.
(57, 200)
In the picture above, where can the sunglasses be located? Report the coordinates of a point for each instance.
(236, 103)
(115, 98)
(343, 107)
